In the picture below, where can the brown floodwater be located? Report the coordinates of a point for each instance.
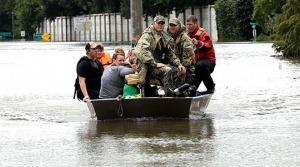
(252, 119)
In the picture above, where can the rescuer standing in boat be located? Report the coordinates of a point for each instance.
(89, 73)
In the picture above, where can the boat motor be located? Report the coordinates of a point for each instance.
(181, 89)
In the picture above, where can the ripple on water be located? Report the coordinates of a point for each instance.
(42, 108)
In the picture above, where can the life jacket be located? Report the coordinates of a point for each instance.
(93, 82)
(105, 59)
(207, 51)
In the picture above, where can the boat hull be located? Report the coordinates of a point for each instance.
(179, 107)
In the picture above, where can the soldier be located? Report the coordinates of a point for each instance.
(183, 47)
(156, 59)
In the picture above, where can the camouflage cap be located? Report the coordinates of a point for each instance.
(159, 18)
(174, 21)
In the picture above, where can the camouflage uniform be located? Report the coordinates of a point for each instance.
(184, 48)
(153, 48)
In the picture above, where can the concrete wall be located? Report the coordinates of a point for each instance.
(113, 28)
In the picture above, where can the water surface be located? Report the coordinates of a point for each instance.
(252, 119)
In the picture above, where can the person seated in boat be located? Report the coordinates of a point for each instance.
(89, 73)
(103, 57)
(183, 47)
(113, 79)
(156, 58)
(205, 55)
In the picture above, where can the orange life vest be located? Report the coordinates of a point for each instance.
(105, 59)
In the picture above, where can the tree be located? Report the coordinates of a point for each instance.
(29, 15)
(192, 3)
(112, 6)
(233, 19)
(6, 9)
(154, 7)
(125, 8)
(226, 20)
(54, 8)
(264, 13)
(244, 10)
(287, 30)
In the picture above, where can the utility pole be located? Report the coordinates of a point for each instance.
(136, 17)
(13, 25)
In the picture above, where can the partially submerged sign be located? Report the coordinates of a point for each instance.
(45, 36)
(41, 36)
(5, 34)
(22, 33)
(37, 36)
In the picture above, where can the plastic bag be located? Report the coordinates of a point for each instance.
(130, 90)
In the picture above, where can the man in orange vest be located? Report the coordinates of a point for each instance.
(103, 57)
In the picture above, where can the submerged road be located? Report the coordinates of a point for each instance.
(252, 119)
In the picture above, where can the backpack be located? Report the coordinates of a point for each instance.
(76, 85)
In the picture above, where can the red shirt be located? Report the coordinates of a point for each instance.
(204, 50)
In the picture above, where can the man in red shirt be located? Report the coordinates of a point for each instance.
(204, 54)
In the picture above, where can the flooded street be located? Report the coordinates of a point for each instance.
(252, 119)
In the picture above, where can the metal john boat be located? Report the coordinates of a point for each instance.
(151, 105)
(175, 107)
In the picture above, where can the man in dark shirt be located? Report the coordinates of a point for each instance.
(89, 72)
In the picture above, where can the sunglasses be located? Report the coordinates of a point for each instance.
(172, 25)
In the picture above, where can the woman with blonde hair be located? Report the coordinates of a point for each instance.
(113, 78)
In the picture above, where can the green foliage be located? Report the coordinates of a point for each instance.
(29, 13)
(263, 37)
(287, 30)
(6, 9)
(112, 6)
(54, 8)
(280, 18)
(164, 7)
(233, 19)
(157, 7)
(154, 7)
(178, 6)
(125, 8)
(265, 12)
(226, 21)
(244, 10)
(200, 2)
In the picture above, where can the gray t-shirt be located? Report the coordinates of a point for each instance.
(113, 80)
